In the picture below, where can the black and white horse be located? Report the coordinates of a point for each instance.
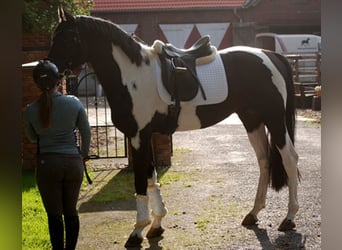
(257, 85)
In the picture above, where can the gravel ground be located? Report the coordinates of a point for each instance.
(217, 175)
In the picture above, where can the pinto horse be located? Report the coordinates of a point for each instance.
(258, 87)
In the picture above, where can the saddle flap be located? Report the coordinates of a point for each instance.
(179, 83)
(179, 69)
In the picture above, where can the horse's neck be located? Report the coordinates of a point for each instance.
(127, 67)
(117, 71)
(126, 85)
(99, 36)
(108, 73)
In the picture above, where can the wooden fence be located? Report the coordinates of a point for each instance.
(306, 75)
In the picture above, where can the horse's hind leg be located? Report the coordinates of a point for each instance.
(258, 140)
(290, 160)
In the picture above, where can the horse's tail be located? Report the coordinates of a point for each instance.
(290, 111)
(278, 176)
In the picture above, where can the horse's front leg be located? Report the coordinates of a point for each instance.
(147, 190)
(157, 205)
(140, 160)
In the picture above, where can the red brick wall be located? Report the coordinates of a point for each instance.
(35, 47)
(285, 13)
(162, 146)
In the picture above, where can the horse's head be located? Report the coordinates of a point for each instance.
(67, 51)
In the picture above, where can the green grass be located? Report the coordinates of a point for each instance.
(202, 223)
(35, 234)
(171, 177)
(119, 188)
(181, 151)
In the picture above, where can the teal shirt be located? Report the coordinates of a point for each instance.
(67, 114)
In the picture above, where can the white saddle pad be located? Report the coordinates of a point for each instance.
(213, 79)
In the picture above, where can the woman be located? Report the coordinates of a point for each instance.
(51, 121)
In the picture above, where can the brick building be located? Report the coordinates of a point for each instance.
(231, 22)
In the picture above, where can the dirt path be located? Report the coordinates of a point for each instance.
(212, 187)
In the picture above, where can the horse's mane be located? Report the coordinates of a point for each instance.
(102, 29)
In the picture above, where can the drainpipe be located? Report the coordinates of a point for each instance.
(246, 5)
(250, 3)
(237, 15)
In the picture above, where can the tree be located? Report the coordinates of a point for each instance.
(40, 16)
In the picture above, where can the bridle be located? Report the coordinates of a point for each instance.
(76, 39)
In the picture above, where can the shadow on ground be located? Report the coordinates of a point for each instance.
(112, 191)
(289, 240)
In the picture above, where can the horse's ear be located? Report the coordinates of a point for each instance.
(60, 12)
(64, 15)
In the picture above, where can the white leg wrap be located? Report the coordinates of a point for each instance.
(156, 200)
(143, 217)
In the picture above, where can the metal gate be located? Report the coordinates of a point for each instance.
(106, 140)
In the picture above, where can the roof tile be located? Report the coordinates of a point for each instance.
(131, 5)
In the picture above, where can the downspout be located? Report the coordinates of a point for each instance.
(250, 3)
(237, 15)
(242, 22)
(246, 5)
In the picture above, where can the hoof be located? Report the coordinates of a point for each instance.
(133, 241)
(249, 220)
(155, 232)
(286, 225)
